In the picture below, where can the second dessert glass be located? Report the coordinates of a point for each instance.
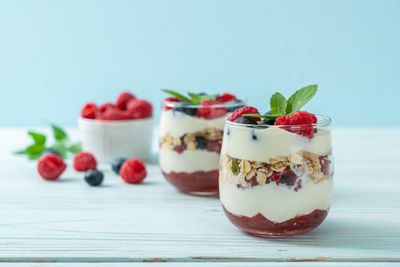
(190, 144)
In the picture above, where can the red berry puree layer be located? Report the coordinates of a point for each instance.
(261, 226)
(199, 182)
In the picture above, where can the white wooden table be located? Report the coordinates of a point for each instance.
(68, 223)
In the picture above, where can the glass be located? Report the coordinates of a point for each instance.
(274, 180)
(190, 144)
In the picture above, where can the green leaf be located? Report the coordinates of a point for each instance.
(61, 148)
(278, 104)
(300, 98)
(235, 166)
(75, 148)
(38, 138)
(59, 133)
(35, 151)
(197, 98)
(177, 95)
(265, 116)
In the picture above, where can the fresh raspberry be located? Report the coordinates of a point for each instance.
(84, 161)
(244, 110)
(301, 122)
(133, 171)
(226, 97)
(123, 100)
(106, 106)
(115, 114)
(51, 166)
(314, 118)
(139, 109)
(89, 111)
(169, 100)
(207, 110)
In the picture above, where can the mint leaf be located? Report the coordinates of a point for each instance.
(38, 138)
(35, 151)
(278, 104)
(58, 133)
(60, 147)
(177, 95)
(265, 116)
(235, 166)
(197, 98)
(300, 98)
(75, 148)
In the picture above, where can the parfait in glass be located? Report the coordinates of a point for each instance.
(191, 131)
(276, 171)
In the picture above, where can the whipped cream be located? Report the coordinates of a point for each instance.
(263, 144)
(274, 202)
(178, 123)
(188, 161)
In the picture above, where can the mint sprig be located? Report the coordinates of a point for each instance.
(62, 144)
(280, 106)
(192, 97)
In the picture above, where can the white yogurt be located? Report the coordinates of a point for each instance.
(178, 123)
(188, 161)
(263, 144)
(277, 203)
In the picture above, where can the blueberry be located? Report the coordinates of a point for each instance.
(94, 177)
(191, 111)
(116, 164)
(201, 142)
(287, 180)
(228, 131)
(237, 103)
(253, 135)
(245, 120)
(51, 151)
(267, 122)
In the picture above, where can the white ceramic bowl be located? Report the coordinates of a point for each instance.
(108, 140)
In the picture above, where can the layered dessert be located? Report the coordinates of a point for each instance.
(276, 169)
(191, 132)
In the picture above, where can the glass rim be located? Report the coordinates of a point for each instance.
(233, 103)
(322, 121)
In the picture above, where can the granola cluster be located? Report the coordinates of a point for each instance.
(247, 173)
(191, 141)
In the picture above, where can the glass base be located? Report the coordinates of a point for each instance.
(200, 183)
(258, 225)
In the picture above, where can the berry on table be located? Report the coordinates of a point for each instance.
(84, 161)
(244, 110)
(94, 177)
(51, 166)
(123, 100)
(133, 171)
(89, 111)
(139, 109)
(116, 165)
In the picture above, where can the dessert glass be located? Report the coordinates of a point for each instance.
(273, 181)
(190, 146)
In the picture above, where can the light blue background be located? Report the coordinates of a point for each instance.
(56, 55)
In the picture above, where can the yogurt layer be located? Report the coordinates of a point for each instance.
(188, 161)
(262, 144)
(274, 202)
(178, 123)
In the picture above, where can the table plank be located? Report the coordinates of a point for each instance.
(67, 221)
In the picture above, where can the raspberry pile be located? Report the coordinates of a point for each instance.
(126, 107)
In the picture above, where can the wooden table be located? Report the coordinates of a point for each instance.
(67, 223)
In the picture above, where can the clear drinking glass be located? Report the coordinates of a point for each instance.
(273, 180)
(190, 144)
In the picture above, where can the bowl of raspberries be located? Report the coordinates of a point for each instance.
(120, 129)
